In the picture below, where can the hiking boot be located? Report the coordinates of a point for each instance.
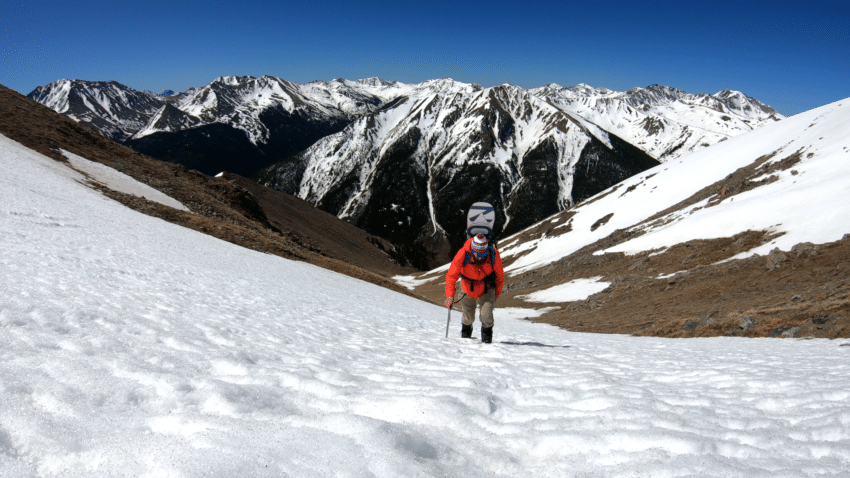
(487, 334)
(466, 331)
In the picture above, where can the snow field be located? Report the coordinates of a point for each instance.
(577, 289)
(120, 182)
(132, 346)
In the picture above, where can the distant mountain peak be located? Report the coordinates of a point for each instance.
(376, 81)
(233, 80)
(115, 110)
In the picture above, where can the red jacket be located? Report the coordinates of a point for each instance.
(474, 273)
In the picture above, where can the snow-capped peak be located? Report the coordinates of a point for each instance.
(54, 95)
(117, 111)
(375, 81)
(743, 104)
(447, 85)
(233, 80)
(653, 95)
(662, 121)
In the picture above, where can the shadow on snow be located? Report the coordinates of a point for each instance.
(534, 344)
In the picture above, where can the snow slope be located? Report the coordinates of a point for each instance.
(118, 181)
(804, 203)
(132, 346)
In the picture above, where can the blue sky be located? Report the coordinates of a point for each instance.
(793, 56)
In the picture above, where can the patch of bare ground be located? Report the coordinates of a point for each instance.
(220, 207)
(317, 230)
(682, 292)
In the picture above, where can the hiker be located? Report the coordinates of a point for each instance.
(479, 267)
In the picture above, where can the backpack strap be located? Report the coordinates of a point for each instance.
(490, 280)
(471, 281)
(491, 254)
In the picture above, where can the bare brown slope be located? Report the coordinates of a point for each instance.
(799, 293)
(219, 207)
(317, 230)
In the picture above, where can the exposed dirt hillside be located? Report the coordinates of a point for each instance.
(229, 208)
(317, 230)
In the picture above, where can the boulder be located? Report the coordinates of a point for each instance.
(775, 258)
(792, 332)
(805, 248)
(677, 278)
(746, 323)
(784, 331)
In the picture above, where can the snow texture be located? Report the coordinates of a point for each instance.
(134, 347)
(118, 181)
(577, 289)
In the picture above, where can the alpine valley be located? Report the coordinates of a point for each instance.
(405, 161)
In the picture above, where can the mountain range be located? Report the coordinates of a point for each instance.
(404, 161)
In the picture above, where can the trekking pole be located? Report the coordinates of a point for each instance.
(448, 321)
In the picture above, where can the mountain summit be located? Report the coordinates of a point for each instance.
(110, 108)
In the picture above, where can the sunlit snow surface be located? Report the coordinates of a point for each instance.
(119, 181)
(576, 289)
(134, 347)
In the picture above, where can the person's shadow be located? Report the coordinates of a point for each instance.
(535, 344)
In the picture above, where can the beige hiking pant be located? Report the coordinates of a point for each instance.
(486, 302)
